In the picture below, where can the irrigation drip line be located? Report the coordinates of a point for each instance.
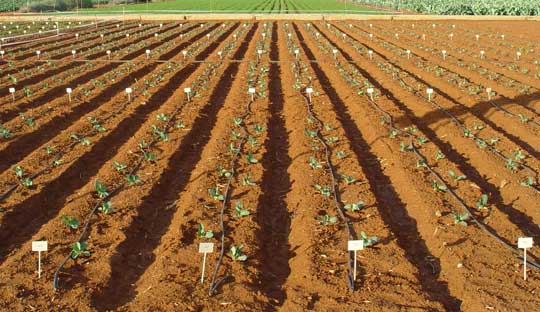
(181, 61)
(463, 127)
(390, 122)
(138, 163)
(328, 154)
(504, 110)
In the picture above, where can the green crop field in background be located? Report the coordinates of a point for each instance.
(239, 6)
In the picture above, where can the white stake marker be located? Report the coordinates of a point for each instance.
(184, 53)
(355, 245)
(73, 52)
(219, 53)
(477, 37)
(370, 52)
(370, 92)
(525, 243)
(488, 90)
(443, 54)
(334, 51)
(108, 54)
(371, 36)
(482, 53)
(2, 52)
(68, 91)
(147, 54)
(12, 91)
(259, 53)
(429, 93)
(205, 248)
(188, 92)
(408, 54)
(309, 91)
(251, 91)
(128, 92)
(38, 53)
(39, 246)
(518, 54)
(296, 53)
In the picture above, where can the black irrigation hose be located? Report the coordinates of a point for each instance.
(504, 110)
(389, 120)
(139, 162)
(462, 126)
(331, 170)
(215, 281)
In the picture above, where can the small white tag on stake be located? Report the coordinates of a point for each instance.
(39, 246)
(488, 91)
(525, 243)
(205, 248)
(370, 92)
(188, 92)
(355, 245)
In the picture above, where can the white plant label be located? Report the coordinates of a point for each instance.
(11, 90)
(251, 90)
(309, 90)
(259, 52)
(525, 243)
(187, 90)
(129, 90)
(355, 245)
(205, 248)
(429, 91)
(68, 90)
(39, 246)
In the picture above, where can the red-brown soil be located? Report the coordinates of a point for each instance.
(283, 160)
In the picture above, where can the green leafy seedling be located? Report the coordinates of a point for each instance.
(78, 249)
(216, 195)
(323, 190)
(118, 166)
(368, 241)
(101, 190)
(247, 181)
(482, 202)
(70, 222)
(327, 220)
(355, 206)
(313, 163)
(201, 233)
(251, 159)
(106, 207)
(456, 177)
(437, 186)
(461, 218)
(240, 211)
(236, 253)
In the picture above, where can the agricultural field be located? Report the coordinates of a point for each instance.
(126, 145)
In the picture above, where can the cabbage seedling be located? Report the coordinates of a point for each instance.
(326, 220)
(216, 195)
(106, 207)
(101, 190)
(222, 171)
(236, 253)
(201, 233)
(133, 179)
(438, 187)
(313, 163)
(461, 219)
(6, 134)
(84, 141)
(251, 159)
(529, 182)
(118, 166)
(368, 241)
(482, 202)
(78, 249)
(240, 211)
(70, 222)
(456, 177)
(348, 179)
(355, 206)
(247, 181)
(160, 133)
(323, 190)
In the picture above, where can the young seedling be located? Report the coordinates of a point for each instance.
(71, 223)
(133, 179)
(327, 220)
(236, 253)
(201, 233)
(438, 187)
(368, 241)
(251, 159)
(78, 249)
(355, 206)
(101, 190)
(118, 166)
(461, 218)
(482, 202)
(529, 182)
(456, 177)
(314, 164)
(323, 190)
(240, 211)
(348, 179)
(215, 194)
(106, 207)
(246, 181)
